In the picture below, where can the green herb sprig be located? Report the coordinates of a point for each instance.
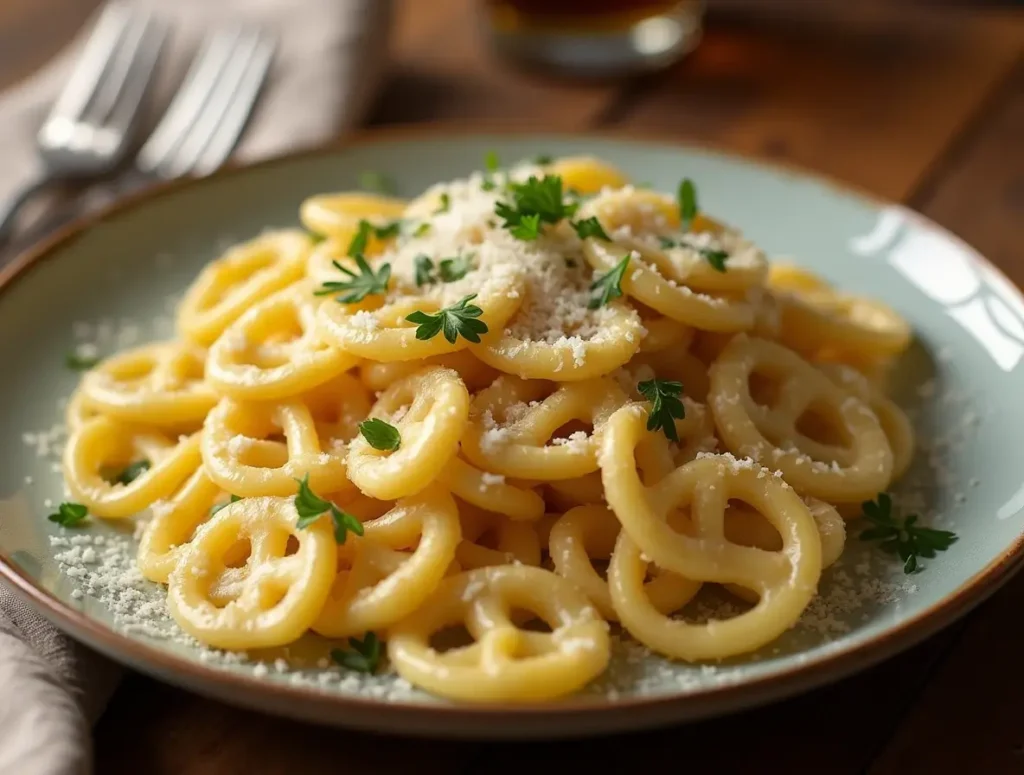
(377, 182)
(608, 286)
(77, 362)
(364, 656)
(311, 507)
(665, 397)
(218, 506)
(904, 538)
(459, 319)
(380, 434)
(69, 514)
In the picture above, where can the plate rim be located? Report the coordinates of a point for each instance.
(312, 704)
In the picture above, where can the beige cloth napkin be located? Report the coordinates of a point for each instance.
(328, 63)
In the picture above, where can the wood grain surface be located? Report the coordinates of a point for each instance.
(921, 102)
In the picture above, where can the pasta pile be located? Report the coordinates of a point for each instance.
(525, 405)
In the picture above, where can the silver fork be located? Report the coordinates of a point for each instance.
(198, 131)
(90, 125)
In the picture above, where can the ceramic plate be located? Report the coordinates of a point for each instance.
(116, 282)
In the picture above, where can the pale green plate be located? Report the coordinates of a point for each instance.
(962, 382)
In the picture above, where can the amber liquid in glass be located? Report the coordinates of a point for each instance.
(594, 37)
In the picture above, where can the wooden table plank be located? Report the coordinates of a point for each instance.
(974, 704)
(871, 96)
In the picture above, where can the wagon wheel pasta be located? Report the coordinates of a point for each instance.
(454, 412)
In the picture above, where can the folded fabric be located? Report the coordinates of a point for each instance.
(327, 66)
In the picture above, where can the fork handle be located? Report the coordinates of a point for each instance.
(10, 208)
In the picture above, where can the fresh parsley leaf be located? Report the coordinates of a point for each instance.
(364, 656)
(380, 435)
(491, 161)
(666, 405)
(445, 204)
(590, 227)
(316, 237)
(487, 184)
(77, 362)
(133, 472)
(452, 269)
(311, 507)
(714, 257)
(527, 229)
(422, 229)
(903, 538)
(388, 230)
(376, 182)
(69, 514)
(608, 286)
(542, 159)
(687, 203)
(359, 286)
(460, 319)
(534, 202)
(357, 245)
(423, 268)
(218, 506)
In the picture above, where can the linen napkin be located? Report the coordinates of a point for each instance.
(328, 62)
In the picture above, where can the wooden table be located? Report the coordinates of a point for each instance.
(923, 104)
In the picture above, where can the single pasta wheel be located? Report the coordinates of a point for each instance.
(785, 581)
(338, 215)
(241, 277)
(588, 533)
(274, 597)
(102, 444)
(173, 524)
(385, 335)
(491, 491)
(156, 384)
(505, 663)
(387, 573)
(571, 360)
(643, 281)
(514, 421)
(271, 351)
(241, 455)
(585, 175)
(865, 329)
(429, 409)
(771, 405)
(490, 539)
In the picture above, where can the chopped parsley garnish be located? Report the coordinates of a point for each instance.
(77, 362)
(218, 506)
(311, 507)
(358, 286)
(608, 286)
(423, 268)
(452, 269)
(316, 237)
(364, 656)
(542, 159)
(460, 319)
(687, 203)
(491, 161)
(903, 537)
(380, 435)
(377, 182)
(388, 230)
(716, 258)
(590, 227)
(444, 205)
(125, 475)
(666, 405)
(422, 229)
(69, 514)
(535, 202)
(357, 245)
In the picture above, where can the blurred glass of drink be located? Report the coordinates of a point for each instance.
(594, 37)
